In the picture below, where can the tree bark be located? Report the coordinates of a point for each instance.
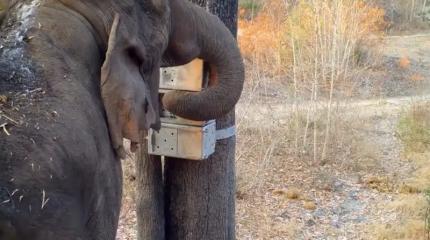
(200, 196)
(149, 195)
(226, 10)
(201, 3)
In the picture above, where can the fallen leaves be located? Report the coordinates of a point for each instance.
(404, 62)
(292, 193)
(308, 205)
(295, 194)
(416, 77)
(3, 99)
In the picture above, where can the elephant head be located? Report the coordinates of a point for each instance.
(147, 34)
(127, 97)
(182, 33)
(195, 33)
(133, 34)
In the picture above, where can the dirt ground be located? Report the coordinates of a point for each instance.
(285, 195)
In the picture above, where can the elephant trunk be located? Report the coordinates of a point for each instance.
(214, 43)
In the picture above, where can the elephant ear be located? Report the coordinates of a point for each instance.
(126, 96)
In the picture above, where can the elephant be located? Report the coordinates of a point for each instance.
(79, 76)
(60, 174)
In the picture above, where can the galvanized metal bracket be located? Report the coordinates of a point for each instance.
(181, 141)
(225, 133)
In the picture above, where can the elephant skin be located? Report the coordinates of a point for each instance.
(195, 33)
(60, 176)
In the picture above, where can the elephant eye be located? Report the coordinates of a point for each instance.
(134, 56)
(146, 106)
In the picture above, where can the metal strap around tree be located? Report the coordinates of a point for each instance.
(225, 133)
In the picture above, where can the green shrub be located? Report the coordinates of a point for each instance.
(414, 129)
(427, 193)
(250, 5)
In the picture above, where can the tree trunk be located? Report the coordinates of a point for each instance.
(200, 196)
(201, 3)
(224, 9)
(149, 195)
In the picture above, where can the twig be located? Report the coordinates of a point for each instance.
(44, 200)
(14, 192)
(8, 118)
(35, 90)
(333, 77)
(4, 128)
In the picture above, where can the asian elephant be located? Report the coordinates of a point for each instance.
(73, 73)
(76, 76)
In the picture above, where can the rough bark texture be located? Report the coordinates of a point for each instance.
(201, 3)
(149, 202)
(227, 11)
(200, 196)
(224, 9)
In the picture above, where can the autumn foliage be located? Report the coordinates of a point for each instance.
(282, 30)
(261, 39)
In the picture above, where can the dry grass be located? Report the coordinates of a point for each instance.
(414, 129)
(413, 205)
(411, 225)
(316, 49)
(427, 216)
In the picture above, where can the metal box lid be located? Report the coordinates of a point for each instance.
(179, 141)
(187, 77)
(167, 117)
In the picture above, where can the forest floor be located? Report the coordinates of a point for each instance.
(369, 187)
